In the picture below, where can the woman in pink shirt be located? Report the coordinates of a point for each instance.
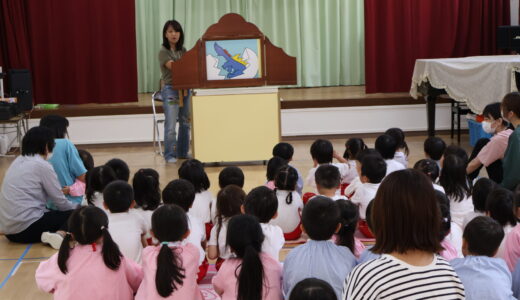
(170, 269)
(252, 275)
(94, 268)
(490, 152)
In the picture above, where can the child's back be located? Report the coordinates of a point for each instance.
(193, 171)
(290, 203)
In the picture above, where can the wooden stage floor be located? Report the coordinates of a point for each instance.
(19, 262)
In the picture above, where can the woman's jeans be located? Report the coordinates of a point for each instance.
(175, 147)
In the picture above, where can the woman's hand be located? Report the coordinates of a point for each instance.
(66, 190)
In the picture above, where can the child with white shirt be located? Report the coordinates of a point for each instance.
(372, 170)
(450, 233)
(229, 202)
(481, 190)
(328, 182)
(356, 183)
(499, 206)
(290, 203)
(387, 146)
(431, 169)
(483, 275)
(97, 179)
(402, 152)
(147, 196)
(182, 193)
(262, 203)
(434, 148)
(193, 171)
(353, 147)
(322, 153)
(127, 228)
(286, 151)
(273, 165)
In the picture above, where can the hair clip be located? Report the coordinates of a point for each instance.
(445, 219)
(165, 243)
(102, 227)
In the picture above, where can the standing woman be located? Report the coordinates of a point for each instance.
(511, 161)
(172, 49)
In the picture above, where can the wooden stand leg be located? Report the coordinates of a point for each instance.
(430, 105)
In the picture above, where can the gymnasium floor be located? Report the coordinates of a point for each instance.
(18, 262)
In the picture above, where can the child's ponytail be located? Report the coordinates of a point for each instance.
(349, 218)
(250, 278)
(64, 253)
(111, 253)
(169, 271)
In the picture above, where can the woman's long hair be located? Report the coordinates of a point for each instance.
(177, 27)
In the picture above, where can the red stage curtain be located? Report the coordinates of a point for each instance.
(82, 51)
(397, 32)
(14, 43)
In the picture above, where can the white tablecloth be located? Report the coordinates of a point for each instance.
(477, 80)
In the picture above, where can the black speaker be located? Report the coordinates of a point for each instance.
(20, 86)
(508, 37)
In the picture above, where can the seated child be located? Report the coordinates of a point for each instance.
(120, 168)
(98, 179)
(434, 149)
(78, 187)
(286, 151)
(273, 165)
(450, 234)
(147, 196)
(229, 175)
(353, 147)
(372, 170)
(367, 254)
(431, 169)
(229, 202)
(322, 153)
(262, 203)
(170, 269)
(483, 276)
(328, 181)
(349, 216)
(182, 193)
(479, 194)
(512, 244)
(387, 146)
(251, 274)
(311, 289)
(499, 206)
(356, 183)
(402, 152)
(319, 257)
(193, 171)
(68, 274)
(127, 228)
(290, 203)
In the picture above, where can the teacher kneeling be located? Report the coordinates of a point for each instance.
(28, 183)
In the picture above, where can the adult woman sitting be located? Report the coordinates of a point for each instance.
(406, 220)
(490, 152)
(28, 183)
(511, 161)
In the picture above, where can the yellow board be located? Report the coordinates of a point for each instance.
(235, 128)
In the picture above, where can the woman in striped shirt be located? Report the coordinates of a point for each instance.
(406, 221)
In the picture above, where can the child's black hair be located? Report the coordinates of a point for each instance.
(231, 175)
(120, 167)
(286, 180)
(312, 289)
(386, 145)
(454, 179)
(58, 124)
(87, 159)
(97, 179)
(353, 147)
(169, 224)
(262, 203)
(229, 202)
(320, 218)
(500, 205)
(283, 150)
(483, 236)
(193, 171)
(322, 151)
(349, 216)
(86, 225)
(245, 238)
(368, 215)
(457, 151)
(180, 192)
(480, 192)
(147, 193)
(434, 147)
(327, 176)
(362, 154)
(444, 206)
(118, 196)
(428, 167)
(374, 168)
(273, 165)
(399, 136)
